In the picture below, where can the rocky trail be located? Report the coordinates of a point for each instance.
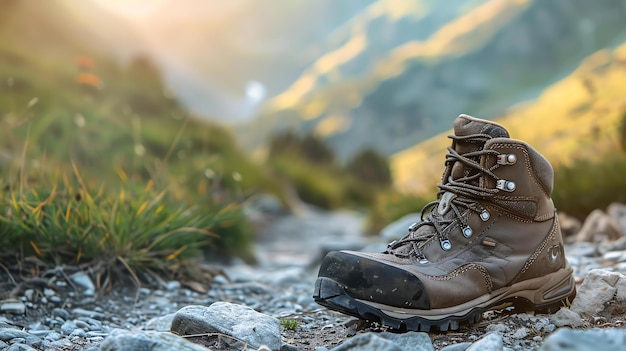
(268, 306)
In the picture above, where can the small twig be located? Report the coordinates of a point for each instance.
(9, 273)
(219, 335)
(132, 273)
(67, 278)
(300, 314)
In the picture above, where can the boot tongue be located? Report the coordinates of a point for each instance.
(466, 125)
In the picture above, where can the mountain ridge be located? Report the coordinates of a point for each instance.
(541, 43)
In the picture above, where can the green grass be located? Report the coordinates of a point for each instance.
(61, 220)
(288, 324)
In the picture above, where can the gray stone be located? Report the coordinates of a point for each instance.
(597, 289)
(79, 312)
(11, 333)
(240, 322)
(59, 312)
(490, 342)
(53, 336)
(78, 332)
(68, 327)
(457, 347)
(597, 226)
(615, 256)
(581, 250)
(497, 327)
(163, 323)
(29, 295)
(410, 340)
(20, 347)
(172, 285)
(585, 340)
(521, 333)
(565, 317)
(370, 342)
(400, 227)
(83, 280)
(617, 245)
(7, 334)
(124, 340)
(13, 307)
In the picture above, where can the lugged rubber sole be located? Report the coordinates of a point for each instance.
(555, 292)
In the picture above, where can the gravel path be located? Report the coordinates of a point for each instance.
(62, 311)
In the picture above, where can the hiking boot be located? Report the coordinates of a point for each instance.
(491, 241)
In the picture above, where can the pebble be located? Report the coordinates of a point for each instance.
(489, 342)
(13, 307)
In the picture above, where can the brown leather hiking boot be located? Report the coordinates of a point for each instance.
(490, 241)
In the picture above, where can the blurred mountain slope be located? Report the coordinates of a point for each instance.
(577, 118)
(481, 62)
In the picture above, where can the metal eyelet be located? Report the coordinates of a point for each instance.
(446, 245)
(507, 159)
(468, 232)
(485, 215)
(506, 185)
(424, 260)
(412, 227)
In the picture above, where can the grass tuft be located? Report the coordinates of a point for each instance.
(65, 221)
(289, 324)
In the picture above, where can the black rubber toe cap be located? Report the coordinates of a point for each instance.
(372, 280)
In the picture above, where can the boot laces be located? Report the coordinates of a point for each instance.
(461, 193)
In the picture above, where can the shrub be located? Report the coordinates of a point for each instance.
(371, 167)
(587, 185)
(309, 147)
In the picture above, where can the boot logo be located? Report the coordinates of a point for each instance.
(555, 254)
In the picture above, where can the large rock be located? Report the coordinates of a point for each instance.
(237, 321)
(125, 340)
(617, 211)
(585, 340)
(598, 288)
(565, 317)
(597, 226)
(163, 323)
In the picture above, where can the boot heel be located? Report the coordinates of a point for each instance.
(558, 296)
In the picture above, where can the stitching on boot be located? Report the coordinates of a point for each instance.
(465, 268)
(540, 249)
(528, 164)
